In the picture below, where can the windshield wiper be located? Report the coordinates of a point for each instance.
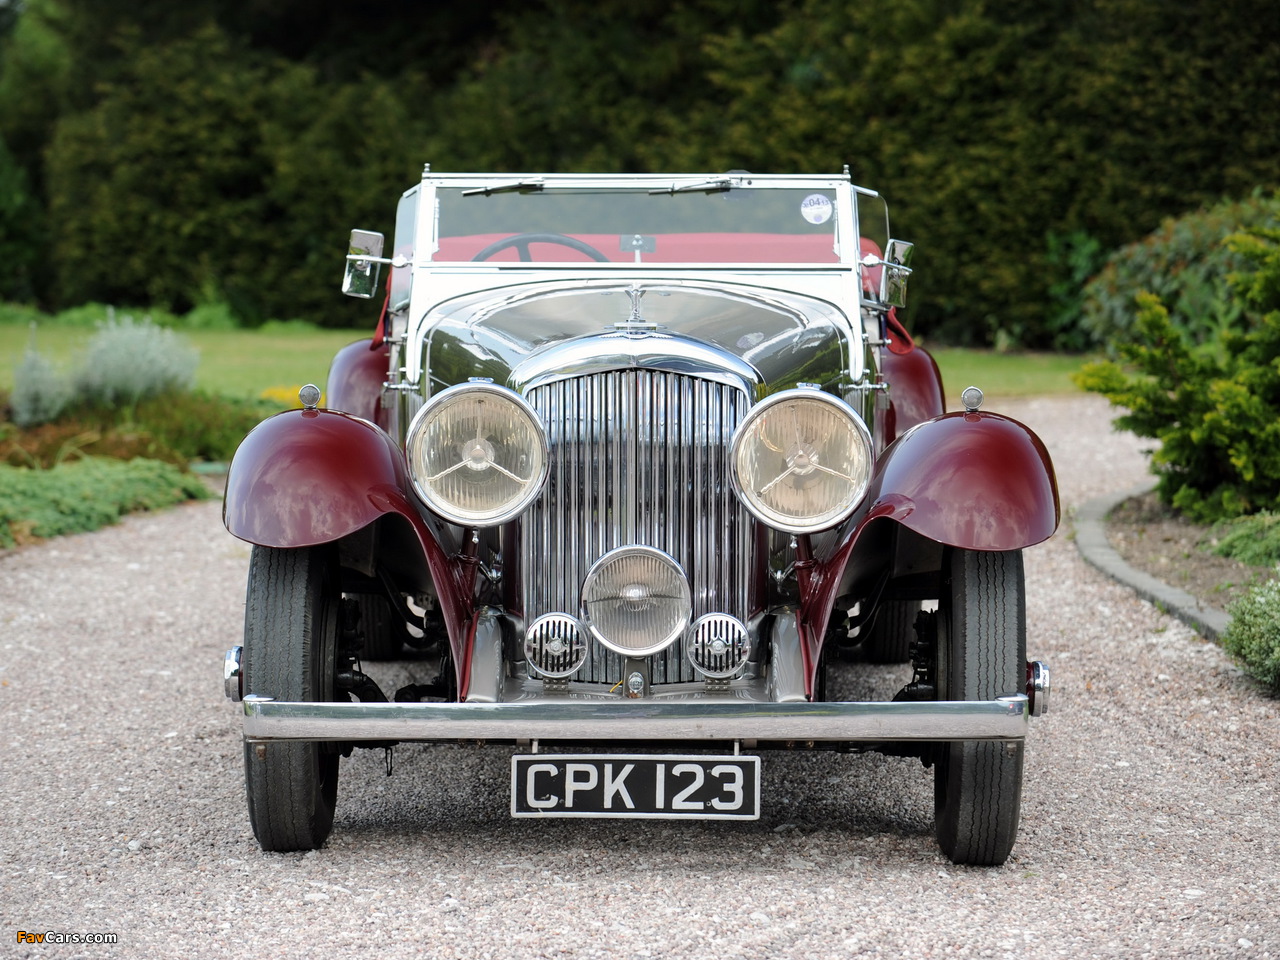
(706, 186)
(520, 186)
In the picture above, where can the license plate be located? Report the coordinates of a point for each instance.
(656, 787)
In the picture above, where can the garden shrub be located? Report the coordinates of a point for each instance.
(15, 313)
(130, 397)
(40, 391)
(211, 315)
(1073, 258)
(99, 314)
(71, 437)
(127, 362)
(1253, 634)
(176, 428)
(1214, 406)
(198, 425)
(1253, 540)
(86, 494)
(1186, 263)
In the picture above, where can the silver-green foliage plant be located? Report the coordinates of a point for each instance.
(40, 391)
(127, 362)
(1253, 634)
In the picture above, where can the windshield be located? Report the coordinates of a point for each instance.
(711, 222)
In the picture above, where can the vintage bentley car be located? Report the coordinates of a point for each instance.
(628, 464)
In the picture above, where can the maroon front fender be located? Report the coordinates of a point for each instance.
(312, 476)
(355, 380)
(974, 480)
(978, 481)
(308, 477)
(915, 392)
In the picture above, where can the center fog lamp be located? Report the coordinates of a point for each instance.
(636, 601)
(801, 461)
(477, 454)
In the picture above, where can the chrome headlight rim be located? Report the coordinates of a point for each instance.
(542, 447)
(828, 519)
(685, 601)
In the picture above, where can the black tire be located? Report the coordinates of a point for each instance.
(982, 655)
(290, 642)
(384, 632)
(892, 633)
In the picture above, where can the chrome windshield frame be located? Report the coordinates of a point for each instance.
(436, 282)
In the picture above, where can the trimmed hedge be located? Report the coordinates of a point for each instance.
(188, 154)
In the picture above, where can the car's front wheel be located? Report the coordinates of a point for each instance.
(290, 646)
(981, 655)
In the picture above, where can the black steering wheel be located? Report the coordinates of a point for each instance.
(521, 242)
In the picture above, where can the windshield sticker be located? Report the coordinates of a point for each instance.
(816, 208)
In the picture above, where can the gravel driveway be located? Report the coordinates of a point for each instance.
(1149, 815)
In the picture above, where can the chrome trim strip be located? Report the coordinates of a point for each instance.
(1005, 718)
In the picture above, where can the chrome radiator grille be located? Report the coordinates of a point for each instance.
(637, 457)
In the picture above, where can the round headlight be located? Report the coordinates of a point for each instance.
(801, 460)
(636, 601)
(477, 454)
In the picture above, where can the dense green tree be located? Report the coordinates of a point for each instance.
(160, 191)
(20, 221)
(339, 157)
(34, 77)
(584, 85)
(340, 38)
(209, 168)
(211, 173)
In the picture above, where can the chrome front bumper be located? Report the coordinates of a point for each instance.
(548, 721)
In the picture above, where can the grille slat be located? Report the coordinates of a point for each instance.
(637, 457)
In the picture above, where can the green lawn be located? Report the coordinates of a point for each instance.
(243, 363)
(237, 363)
(1005, 374)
